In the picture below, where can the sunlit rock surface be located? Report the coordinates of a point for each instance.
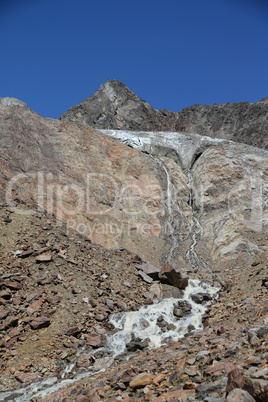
(218, 195)
(196, 204)
(188, 199)
(114, 106)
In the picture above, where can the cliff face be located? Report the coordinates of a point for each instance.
(114, 106)
(240, 122)
(198, 203)
(196, 196)
(93, 184)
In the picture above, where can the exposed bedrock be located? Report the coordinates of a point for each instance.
(196, 202)
(114, 106)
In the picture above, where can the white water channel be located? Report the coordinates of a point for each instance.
(185, 146)
(141, 324)
(174, 214)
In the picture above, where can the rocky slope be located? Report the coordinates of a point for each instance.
(57, 293)
(96, 222)
(90, 182)
(242, 122)
(206, 198)
(114, 106)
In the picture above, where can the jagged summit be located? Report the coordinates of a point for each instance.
(115, 106)
(187, 208)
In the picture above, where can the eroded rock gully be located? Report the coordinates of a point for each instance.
(212, 199)
(73, 201)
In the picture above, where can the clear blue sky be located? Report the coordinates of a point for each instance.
(172, 53)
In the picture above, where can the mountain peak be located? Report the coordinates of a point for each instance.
(115, 106)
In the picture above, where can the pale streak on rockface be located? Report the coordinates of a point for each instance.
(116, 195)
(227, 188)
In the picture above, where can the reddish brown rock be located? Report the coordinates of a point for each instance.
(13, 285)
(84, 360)
(237, 379)
(15, 332)
(125, 376)
(74, 331)
(11, 322)
(34, 306)
(43, 258)
(217, 369)
(94, 341)
(5, 295)
(40, 322)
(141, 380)
(100, 317)
(26, 377)
(189, 385)
(180, 365)
(26, 253)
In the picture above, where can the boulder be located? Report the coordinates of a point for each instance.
(201, 298)
(26, 377)
(171, 276)
(239, 395)
(84, 360)
(149, 270)
(40, 322)
(237, 379)
(116, 106)
(43, 258)
(145, 277)
(168, 291)
(136, 345)
(141, 380)
(94, 340)
(182, 308)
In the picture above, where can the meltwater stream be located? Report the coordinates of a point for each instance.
(157, 324)
(163, 321)
(186, 146)
(174, 214)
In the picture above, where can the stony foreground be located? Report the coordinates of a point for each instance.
(58, 291)
(198, 203)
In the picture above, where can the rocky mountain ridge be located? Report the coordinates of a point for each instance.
(114, 106)
(95, 222)
(120, 196)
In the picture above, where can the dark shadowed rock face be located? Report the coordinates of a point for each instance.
(114, 106)
(241, 122)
